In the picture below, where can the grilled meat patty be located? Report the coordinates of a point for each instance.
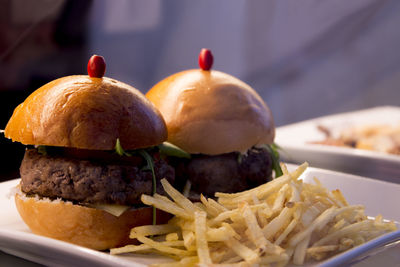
(90, 181)
(229, 173)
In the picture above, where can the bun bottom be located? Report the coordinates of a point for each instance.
(84, 226)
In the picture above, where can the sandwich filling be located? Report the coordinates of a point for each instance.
(91, 177)
(228, 173)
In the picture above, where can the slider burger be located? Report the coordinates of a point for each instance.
(223, 123)
(91, 153)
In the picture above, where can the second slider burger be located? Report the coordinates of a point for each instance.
(223, 123)
(90, 143)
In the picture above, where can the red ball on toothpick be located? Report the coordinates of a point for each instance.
(206, 59)
(96, 66)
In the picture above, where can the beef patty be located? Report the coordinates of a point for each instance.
(84, 181)
(229, 173)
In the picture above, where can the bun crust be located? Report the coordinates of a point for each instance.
(88, 227)
(87, 113)
(211, 112)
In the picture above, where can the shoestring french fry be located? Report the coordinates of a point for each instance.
(284, 221)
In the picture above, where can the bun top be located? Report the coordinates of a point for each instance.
(87, 113)
(211, 112)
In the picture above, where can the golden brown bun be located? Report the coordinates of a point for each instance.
(87, 113)
(88, 227)
(211, 112)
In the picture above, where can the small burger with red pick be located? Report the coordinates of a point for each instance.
(92, 151)
(223, 123)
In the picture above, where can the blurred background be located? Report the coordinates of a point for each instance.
(305, 58)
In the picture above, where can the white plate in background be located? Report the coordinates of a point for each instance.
(295, 141)
(15, 238)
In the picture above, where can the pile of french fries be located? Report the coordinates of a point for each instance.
(283, 221)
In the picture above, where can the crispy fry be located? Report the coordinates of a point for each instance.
(345, 230)
(299, 171)
(286, 232)
(283, 257)
(217, 205)
(285, 170)
(275, 225)
(260, 191)
(301, 250)
(201, 242)
(241, 250)
(164, 247)
(221, 234)
(256, 235)
(283, 221)
(130, 248)
(179, 198)
(172, 237)
(165, 206)
(211, 211)
(339, 196)
(188, 240)
(147, 230)
(280, 198)
(230, 213)
(319, 223)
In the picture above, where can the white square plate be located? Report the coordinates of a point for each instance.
(15, 238)
(295, 140)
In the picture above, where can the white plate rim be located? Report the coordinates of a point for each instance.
(337, 149)
(103, 259)
(293, 140)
